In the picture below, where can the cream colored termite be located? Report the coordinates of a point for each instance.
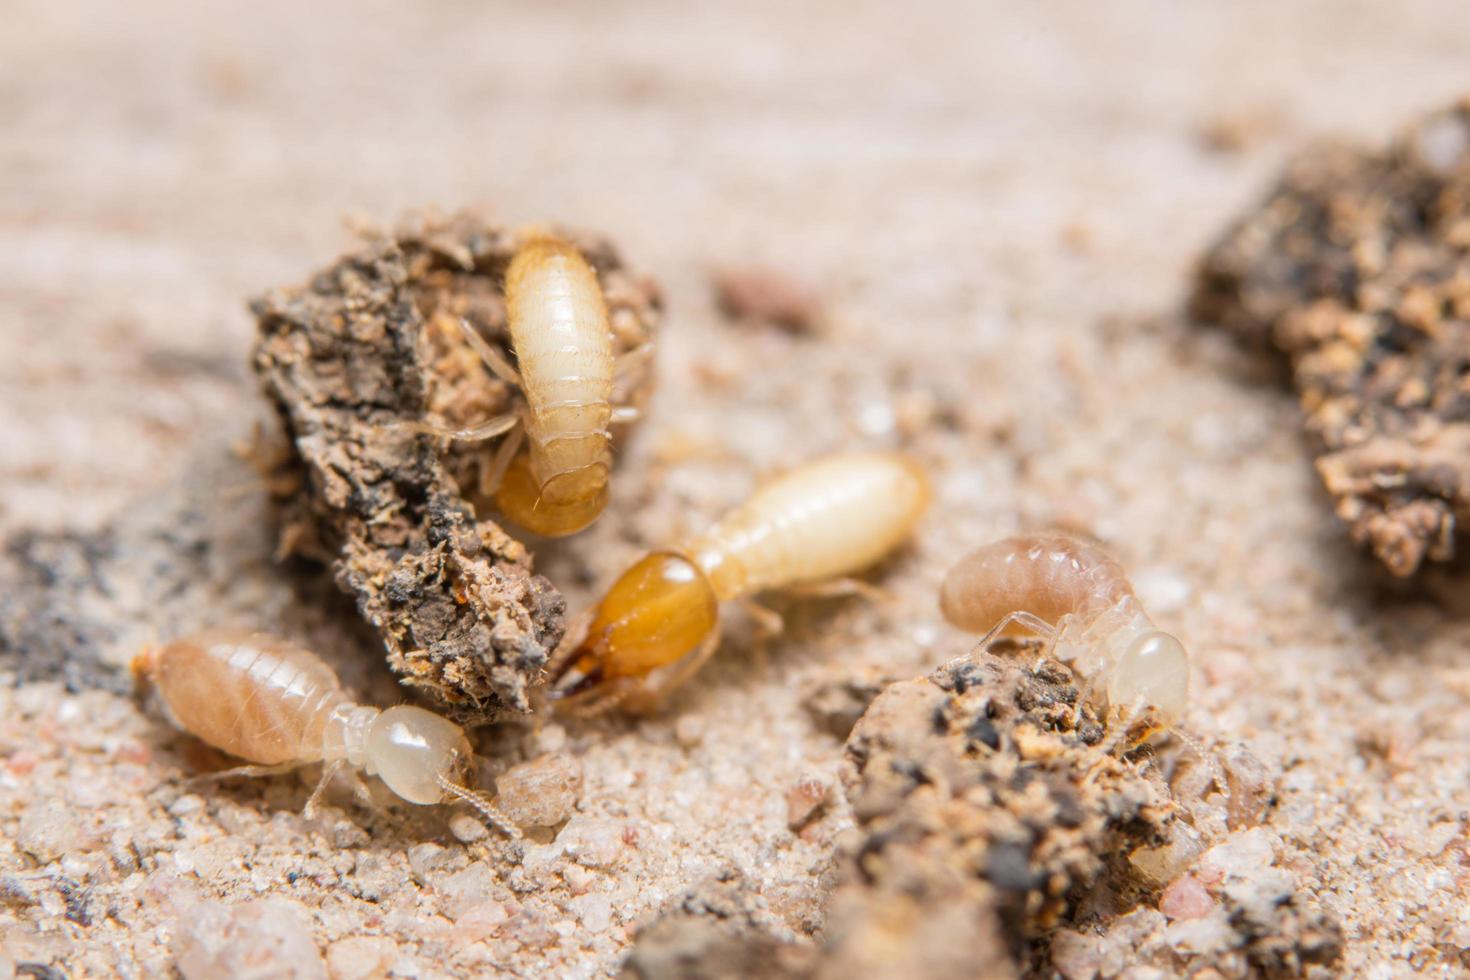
(1078, 598)
(807, 528)
(551, 473)
(278, 706)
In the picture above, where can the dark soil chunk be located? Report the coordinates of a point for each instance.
(984, 812)
(1357, 266)
(373, 342)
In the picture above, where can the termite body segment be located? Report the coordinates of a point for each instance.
(279, 706)
(1077, 596)
(551, 472)
(810, 527)
(563, 343)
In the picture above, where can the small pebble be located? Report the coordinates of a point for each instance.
(542, 792)
(428, 859)
(552, 738)
(594, 911)
(804, 799)
(1186, 898)
(480, 921)
(269, 937)
(467, 828)
(578, 879)
(1252, 787)
(185, 805)
(361, 958)
(464, 890)
(134, 751)
(21, 763)
(592, 842)
(689, 731)
(1076, 956)
(1241, 855)
(47, 831)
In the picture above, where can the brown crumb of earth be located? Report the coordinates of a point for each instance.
(367, 345)
(1356, 267)
(1003, 832)
(764, 294)
(1242, 130)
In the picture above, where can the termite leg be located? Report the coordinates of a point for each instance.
(840, 588)
(652, 697)
(504, 453)
(599, 699)
(635, 360)
(488, 429)
(1022, 618)
(328, 772)
(494, 360)
(629, 372)
(768, 622)
(250, 772)
(561, 658)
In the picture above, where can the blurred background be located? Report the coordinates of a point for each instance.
(996, 208)
(951, 171)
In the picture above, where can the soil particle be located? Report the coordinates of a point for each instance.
(719, 930)
(367, 345)
(986, 802)
(835, 706)
(1356, 267)
(542, 792)
(766, 295)
(268, 937)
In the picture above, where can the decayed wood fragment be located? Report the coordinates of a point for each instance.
(1357, 265)
(374, 342)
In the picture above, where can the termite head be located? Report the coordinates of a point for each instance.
(661, 609)
(566, 504)
(1152, 674)
(416, 752)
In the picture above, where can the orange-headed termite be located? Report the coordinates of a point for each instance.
(279, 706)
(559, 330)
(1077, 597)
(809, 527)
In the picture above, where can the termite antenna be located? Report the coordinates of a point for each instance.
(1217, 774)
(488, 810)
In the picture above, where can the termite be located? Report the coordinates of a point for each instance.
(279, 706)
(803, 531)
(1077, 598)
(560, 334)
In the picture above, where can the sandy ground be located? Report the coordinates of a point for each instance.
(1001, 203)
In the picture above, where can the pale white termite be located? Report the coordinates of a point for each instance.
(805, 529)
(279, 706)
(1075, 595)
(559, 330)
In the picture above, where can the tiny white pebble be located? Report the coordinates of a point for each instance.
(467, 828)
(688, 731)
(877, 419)
(186, 805)
(552, 738)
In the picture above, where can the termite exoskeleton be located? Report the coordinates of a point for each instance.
(279, 706)
(559, 331)
(803, 530)
(1075, 596)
